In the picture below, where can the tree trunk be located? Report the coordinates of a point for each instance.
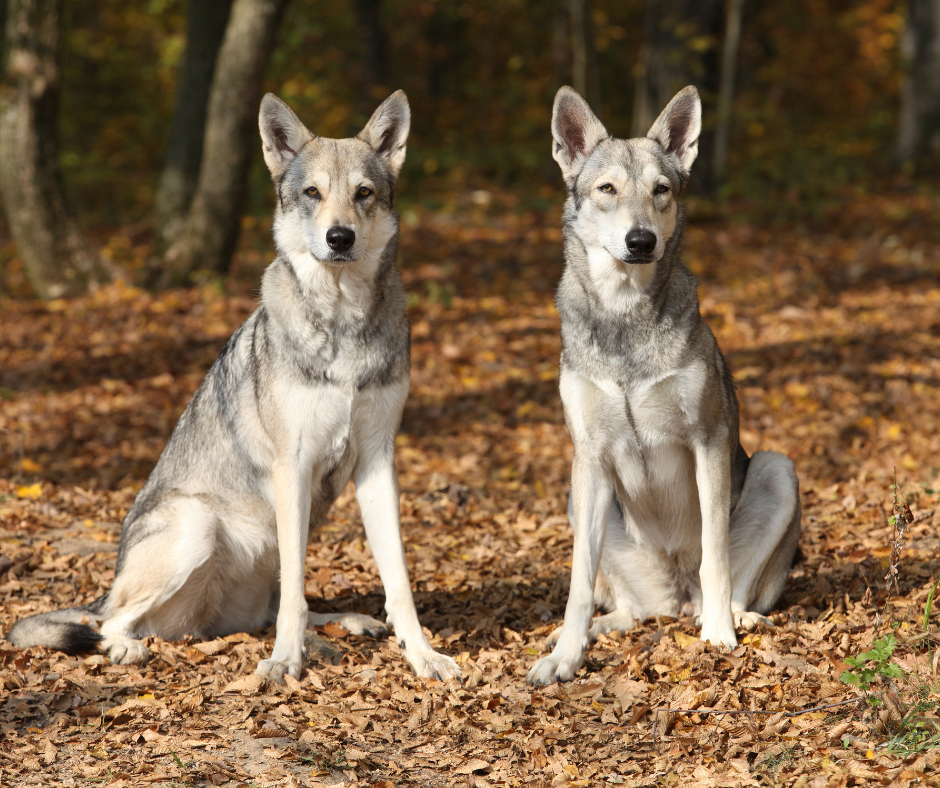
(210, 233)
(680, 47)
(205, 26)
(446, 37)
(374, 61)
(3, 27)
(560, 39)
(56, 257)
(584, 70)
(919, 133)
(729, 58)
(579, 47)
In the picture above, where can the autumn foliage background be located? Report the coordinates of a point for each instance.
(818, 258)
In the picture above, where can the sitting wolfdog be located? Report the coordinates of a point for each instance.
(669, 514)
(307, 394)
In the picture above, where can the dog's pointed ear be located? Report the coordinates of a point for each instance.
(678, 127)
(387, 130)
(576, 132)
(282, 134)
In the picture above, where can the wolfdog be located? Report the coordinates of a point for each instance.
(307, 394)
(691, 524)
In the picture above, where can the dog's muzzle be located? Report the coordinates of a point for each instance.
(640, 247)
(340, 239)
(340, 242)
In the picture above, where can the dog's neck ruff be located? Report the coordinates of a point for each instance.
(619, 334)
(311, 299)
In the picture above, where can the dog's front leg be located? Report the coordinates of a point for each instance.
(377, 492)
(591, 489)
(713, 478)
(292, 510)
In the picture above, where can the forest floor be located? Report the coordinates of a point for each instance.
(834, 339)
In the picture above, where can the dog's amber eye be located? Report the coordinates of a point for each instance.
(661, 189)
(364, 191)
(608, 188)
(312, 191)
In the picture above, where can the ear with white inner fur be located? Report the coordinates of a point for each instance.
(282, 134)
(576, 132)
(678, 127)
(387, 130)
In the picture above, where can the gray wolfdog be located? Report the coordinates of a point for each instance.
(307, 394)
(669, 514)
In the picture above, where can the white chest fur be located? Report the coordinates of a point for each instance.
(642, 433)
(647, 412)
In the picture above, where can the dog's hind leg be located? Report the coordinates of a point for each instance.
(764, 532)
(175, 541)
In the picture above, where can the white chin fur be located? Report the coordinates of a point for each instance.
(619, 285)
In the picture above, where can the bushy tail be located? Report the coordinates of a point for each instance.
(60, 629)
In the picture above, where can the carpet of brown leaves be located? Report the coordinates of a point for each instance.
(835, 341)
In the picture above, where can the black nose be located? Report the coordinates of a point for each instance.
(641, 242)
(339, 239)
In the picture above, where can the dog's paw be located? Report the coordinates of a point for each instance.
(720, 635)
(275, 670)
(553, 668)
(431, 665)
(617, 621)
(748, 619)
(126, 651)
(361, 624)
(355, 623)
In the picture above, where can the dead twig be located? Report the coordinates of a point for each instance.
(901, 520)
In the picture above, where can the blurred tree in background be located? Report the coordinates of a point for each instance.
(803, 107)
(205, 26)
(681, 43)
(57, 259)
(207, 239)
(919, 135)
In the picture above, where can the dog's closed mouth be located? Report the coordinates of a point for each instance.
(338, 259)
(638, 259)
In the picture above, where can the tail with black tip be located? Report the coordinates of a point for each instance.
(64, 630)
